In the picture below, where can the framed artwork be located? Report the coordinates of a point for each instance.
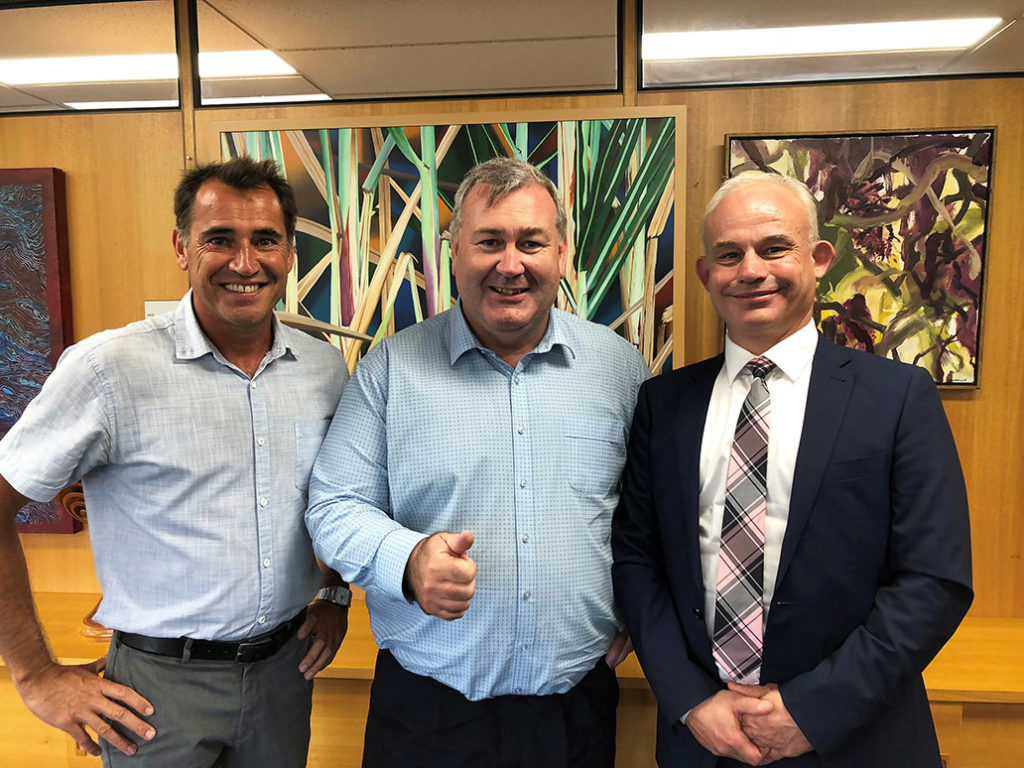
(375, 202)
(35, 306)
(908, 215)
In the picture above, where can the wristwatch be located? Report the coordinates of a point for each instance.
(340, 596)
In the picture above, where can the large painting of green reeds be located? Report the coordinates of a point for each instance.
(907, 214)
(375, 202)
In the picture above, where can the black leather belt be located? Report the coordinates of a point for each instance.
(243, 652)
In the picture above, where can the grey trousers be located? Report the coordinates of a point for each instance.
(217, 714)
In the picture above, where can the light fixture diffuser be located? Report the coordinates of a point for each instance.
(881, 37)
(138, 67)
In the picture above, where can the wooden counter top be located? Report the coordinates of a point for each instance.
(984, 662)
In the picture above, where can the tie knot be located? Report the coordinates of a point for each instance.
(760, 367)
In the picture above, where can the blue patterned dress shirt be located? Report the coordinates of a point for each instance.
(435, 433)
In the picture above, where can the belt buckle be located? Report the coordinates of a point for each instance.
(254, 650)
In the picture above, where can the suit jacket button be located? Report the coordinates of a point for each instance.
(698, 612)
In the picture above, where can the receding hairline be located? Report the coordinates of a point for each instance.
(797, 190)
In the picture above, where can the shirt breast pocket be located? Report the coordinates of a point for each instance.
(595, 450)
(308, 436)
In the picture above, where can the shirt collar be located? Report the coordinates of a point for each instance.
(190, 343)
(791, 356)
(463, 339)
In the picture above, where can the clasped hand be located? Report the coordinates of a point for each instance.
(748, 723)
(441, 576)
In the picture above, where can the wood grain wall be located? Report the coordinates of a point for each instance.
(121, 169)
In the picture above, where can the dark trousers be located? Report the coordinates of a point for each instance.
(417, 722)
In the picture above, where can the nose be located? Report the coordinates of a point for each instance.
(244, 260)
(752, 267)
(510, 264)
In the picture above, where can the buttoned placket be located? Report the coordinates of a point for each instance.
(524, 531)
(264, 501)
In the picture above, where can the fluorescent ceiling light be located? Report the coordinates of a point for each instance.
(943, 34)
(149, 66)
(89, 69)
(267, 99)
(147, 104)
(242, 64)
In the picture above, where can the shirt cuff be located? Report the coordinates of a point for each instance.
(26, 485)
(392, 557)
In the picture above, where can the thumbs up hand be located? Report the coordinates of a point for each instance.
(440, 576)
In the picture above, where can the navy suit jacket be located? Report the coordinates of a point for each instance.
(875, 571)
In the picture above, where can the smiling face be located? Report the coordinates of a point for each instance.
(237, 257)
(508, 260)
(760, 267)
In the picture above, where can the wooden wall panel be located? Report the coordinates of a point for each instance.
(121, 170)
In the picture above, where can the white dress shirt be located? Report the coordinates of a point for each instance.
(787, 386)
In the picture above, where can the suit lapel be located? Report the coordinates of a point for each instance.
(695, 397)
(827, 396)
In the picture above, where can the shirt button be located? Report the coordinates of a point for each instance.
(252, 385)
(526, 595)
(526, 538)
(522, 647)
(522, 483)
(261, 620)
(520, 430)
(516, 379)
(519, 690)
(263, 502)
(261, 442)
(266, 563)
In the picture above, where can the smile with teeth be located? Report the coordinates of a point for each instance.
(508, 291)
(242, 287)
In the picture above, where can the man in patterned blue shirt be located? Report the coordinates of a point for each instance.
(194, 433)
(470, 473)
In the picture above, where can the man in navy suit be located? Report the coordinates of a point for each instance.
(863, 566)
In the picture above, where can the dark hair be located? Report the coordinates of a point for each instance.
(240, 173)
(505, 175)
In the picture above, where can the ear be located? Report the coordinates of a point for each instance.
(822, 252)
(563, 258)
(454, 244)
(701, 267)
(179, 250)
(290, 258)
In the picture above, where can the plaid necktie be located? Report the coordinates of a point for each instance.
(739, 611)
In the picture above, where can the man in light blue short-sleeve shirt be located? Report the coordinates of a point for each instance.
(470, 473)
(194, 434)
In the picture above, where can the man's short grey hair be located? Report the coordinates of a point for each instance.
(505, 175)
(745, 179)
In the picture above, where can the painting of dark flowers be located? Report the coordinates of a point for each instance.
(907, 214)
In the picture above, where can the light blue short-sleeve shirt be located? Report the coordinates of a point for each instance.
(195, 475)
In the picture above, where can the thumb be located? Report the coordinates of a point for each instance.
(753, 691)
(751, 706)
(460, 544)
